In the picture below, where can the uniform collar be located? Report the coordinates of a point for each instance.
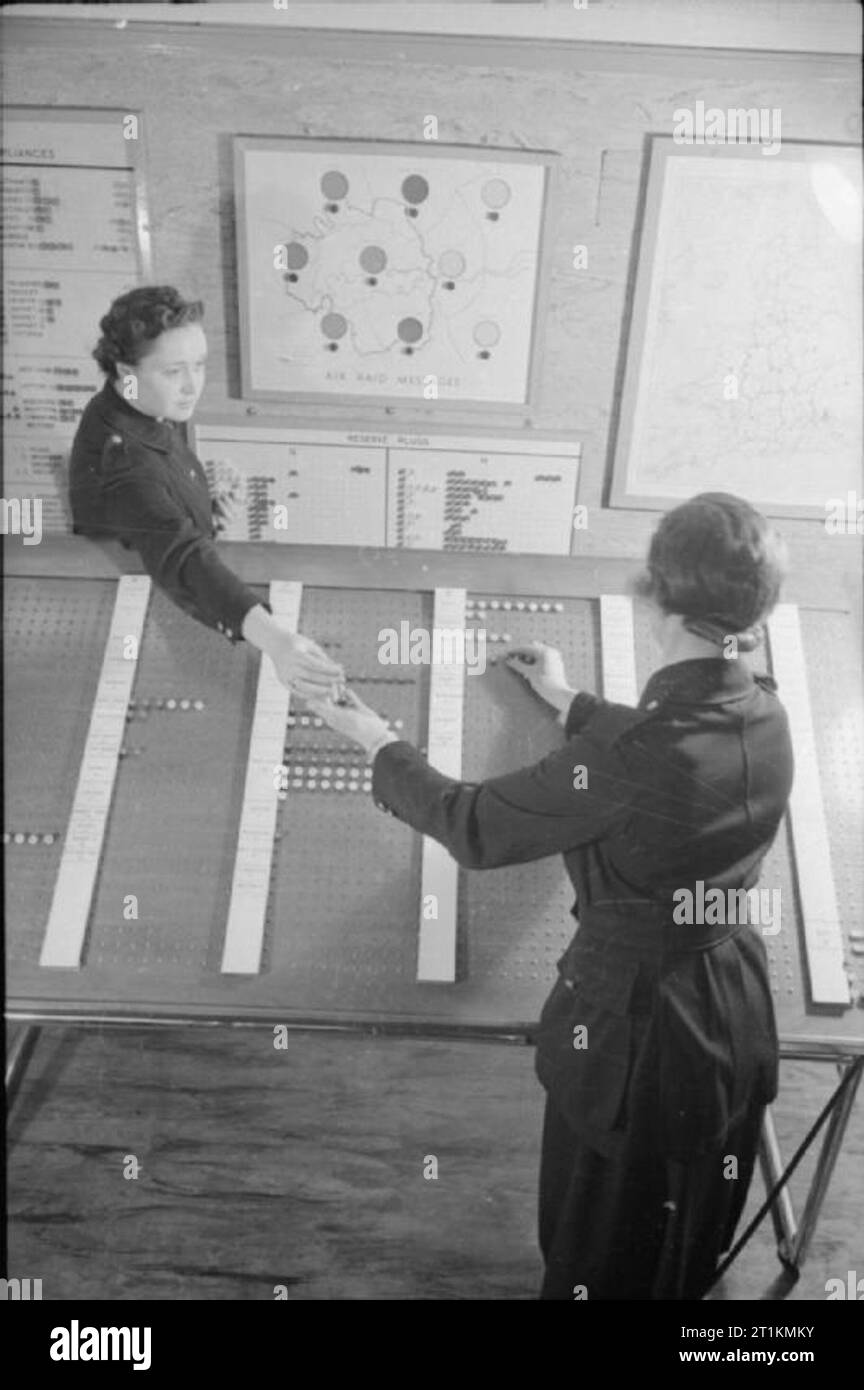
(702, 681)
(120, 414)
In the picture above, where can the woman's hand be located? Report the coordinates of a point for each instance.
(227, 511)
(543, 669)
(302, 665)
(354, 720)
(229, 492)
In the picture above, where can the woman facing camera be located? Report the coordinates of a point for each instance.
(657, 1046)
(133, 477)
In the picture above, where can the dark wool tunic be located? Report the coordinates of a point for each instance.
(681, 1048)
(134, 479)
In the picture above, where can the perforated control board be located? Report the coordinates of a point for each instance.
(342, 918)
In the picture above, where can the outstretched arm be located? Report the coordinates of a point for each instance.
(184, 561)
(571, 797)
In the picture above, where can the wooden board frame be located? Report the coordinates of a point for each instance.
(431, 150)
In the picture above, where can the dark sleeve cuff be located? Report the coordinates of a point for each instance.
(385, 770)
(243, 604)
(584, 705)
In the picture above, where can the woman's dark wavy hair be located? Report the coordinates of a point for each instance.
(718, 562)
(136, 319)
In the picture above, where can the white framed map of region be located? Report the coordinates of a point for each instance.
(744, 357)
(389, 272)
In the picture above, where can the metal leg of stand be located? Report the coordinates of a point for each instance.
(20, 1052)
(782, 1213)
(834, 1134)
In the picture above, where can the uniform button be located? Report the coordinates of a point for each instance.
(652, 704)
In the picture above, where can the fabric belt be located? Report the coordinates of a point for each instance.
(650, 945)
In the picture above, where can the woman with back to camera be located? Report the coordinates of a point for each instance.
(133, 477)
(653, 1112)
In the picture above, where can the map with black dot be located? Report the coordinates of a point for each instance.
(406, 275)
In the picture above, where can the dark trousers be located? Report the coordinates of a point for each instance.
(638, 1225)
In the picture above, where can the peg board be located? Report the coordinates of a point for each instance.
(340, 937)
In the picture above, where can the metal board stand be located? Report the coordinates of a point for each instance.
(793, 1237)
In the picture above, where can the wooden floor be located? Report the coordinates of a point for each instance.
(305, 1168)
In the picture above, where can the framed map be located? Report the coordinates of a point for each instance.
(389, 272)
(744, 356)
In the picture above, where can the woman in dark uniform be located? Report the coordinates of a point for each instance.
(133, 477)
(657, 1046)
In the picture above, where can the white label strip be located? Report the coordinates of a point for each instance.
(823, 938)
(617, 649)
(250, 887)
(439, 875)
(85, 834)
